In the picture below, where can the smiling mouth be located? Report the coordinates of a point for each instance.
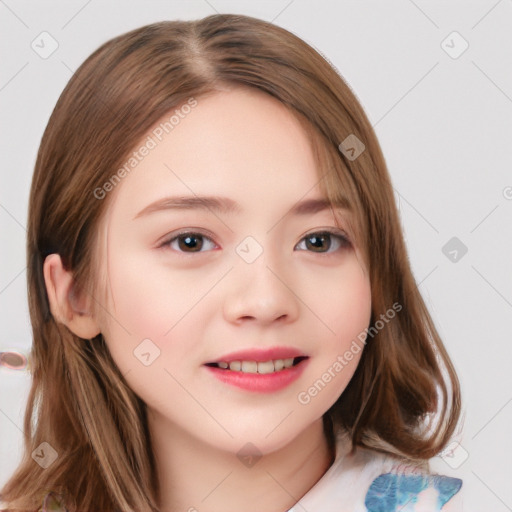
(263, 367)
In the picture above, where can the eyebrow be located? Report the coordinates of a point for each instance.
(228, 206)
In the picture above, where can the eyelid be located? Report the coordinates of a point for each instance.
(330, 229)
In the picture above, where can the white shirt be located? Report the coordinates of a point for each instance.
(369, 481)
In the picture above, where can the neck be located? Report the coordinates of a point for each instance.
(196, 476)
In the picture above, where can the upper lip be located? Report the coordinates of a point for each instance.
(260, 354)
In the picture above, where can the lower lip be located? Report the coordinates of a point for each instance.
(260, 382)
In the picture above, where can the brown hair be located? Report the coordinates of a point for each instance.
(79, 401)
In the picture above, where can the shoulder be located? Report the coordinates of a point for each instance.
(365, 480)
(405, 487)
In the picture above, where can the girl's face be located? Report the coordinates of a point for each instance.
(192, 285)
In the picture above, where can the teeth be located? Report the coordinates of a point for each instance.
(249, 366)
(235, 365)
(265, 367)
(288, 362)
(256, 367)
(278, 364)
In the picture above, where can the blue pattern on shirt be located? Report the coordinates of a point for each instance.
(391, 492)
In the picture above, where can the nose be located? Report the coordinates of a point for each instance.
(260, 292)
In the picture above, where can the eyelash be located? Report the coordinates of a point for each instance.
(342, 238)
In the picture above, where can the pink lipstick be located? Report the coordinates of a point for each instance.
(259, 370)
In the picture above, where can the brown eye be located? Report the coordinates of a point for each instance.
(322, 241)
(192, 242)
(188, 242)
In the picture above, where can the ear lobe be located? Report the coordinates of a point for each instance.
(66, 306)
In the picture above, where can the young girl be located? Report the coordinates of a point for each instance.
(223, 311)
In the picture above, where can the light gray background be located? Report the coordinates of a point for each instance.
(445, 126)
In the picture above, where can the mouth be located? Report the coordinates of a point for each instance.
(260, 367)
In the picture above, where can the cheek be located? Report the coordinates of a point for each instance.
(347, 304)
(148, 300)
(345, 307)
(151, 328)
(144, 306)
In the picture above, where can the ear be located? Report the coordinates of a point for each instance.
(66, 307)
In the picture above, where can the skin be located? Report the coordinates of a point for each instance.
(198, 306)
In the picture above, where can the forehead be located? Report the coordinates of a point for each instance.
(241, 143)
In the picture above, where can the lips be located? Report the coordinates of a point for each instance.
(259, 370)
